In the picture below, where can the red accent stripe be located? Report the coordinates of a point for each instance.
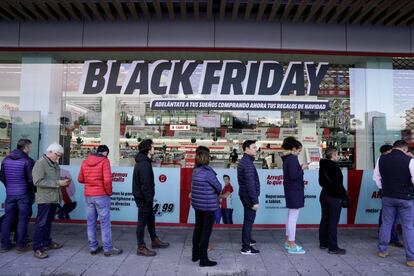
(354, 187)
(185, 184)
(201, 49)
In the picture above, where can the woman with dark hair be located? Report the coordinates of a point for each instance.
(294, 191)
(332, 195)
(205, 191)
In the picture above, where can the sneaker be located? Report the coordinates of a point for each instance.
(383, 254)
(296, 250)
(287, 246)
(252, 242)
(113, 252)
(410, 263)
(338, 251)
(21, 250)
(250, 251)
(53, 245)
(4, 250)
(96, 251)
(40, 254)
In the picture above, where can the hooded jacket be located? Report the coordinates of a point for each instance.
(331, 179)
(16, 173)
(95, 173)
(143, 186)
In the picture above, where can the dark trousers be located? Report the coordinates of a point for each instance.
(248, 221)
(145, 218)
(394, 232)
(203, 227)
(227, 215)
(45, 214)
(331, 212)
(18, 210)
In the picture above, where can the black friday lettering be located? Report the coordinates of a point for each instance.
(264, 78)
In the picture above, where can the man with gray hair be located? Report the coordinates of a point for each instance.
(46, 177)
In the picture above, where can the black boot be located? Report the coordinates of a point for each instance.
(196, 255)
(206, 262)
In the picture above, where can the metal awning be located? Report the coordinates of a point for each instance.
(372, 12)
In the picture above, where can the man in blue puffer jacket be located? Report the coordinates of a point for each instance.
(16, 175)
(249, 191)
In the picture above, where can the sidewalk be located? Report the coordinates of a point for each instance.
(74, 258)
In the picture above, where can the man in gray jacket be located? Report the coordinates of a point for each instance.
(46, 177)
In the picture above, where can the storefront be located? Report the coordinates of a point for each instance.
(355, 99)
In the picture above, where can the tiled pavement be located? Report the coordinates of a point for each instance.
(74, 258)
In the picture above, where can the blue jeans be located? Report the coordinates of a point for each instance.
(394, 232)
(18, 208)
(404, 208)
(45, 214)
(99, 206)
(217, 216)
(227, 215)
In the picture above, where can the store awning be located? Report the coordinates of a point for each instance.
(371, 12)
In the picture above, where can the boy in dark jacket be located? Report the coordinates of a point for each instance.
(16, 175)
(249, 191)
(143, 189)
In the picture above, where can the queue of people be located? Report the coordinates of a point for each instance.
(24, 178)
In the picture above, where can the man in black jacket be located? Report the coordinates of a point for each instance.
(249, 191)
(143, 189)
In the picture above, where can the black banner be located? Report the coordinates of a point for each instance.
(160, 104)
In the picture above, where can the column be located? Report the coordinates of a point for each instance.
(110, 126)
(41, 90)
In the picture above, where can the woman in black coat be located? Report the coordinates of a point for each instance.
(332, 195)
(294, 188)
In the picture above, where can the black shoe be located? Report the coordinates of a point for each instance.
(113, 252)
(397, 244)
(323, 247)
(250, 251)
(338, 251)
(96, 251)
(207, 263)
(195, 258)
(252, 242)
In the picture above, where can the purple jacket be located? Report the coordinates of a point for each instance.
(293, 182)
(205, 189)
(16, 173)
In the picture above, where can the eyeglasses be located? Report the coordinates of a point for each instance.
(58, 154)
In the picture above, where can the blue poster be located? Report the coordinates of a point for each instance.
(272, 200)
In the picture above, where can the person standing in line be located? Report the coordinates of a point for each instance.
(226, 201)
(249, 191)
(46, 178)
(294, 188)
(395, 175)
(95, 173)
(205, 191)
(332, 194)
(16, 175)
(143, 189)
(385, 149)
(233, 158)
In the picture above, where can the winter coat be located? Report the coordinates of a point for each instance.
(95, 173)
(205, 189)
(331, 179)
(249, 184)
(16, 173)
(143, 186)
(46, 177)
(293, 184)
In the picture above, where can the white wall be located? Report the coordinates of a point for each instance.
(209, 34)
